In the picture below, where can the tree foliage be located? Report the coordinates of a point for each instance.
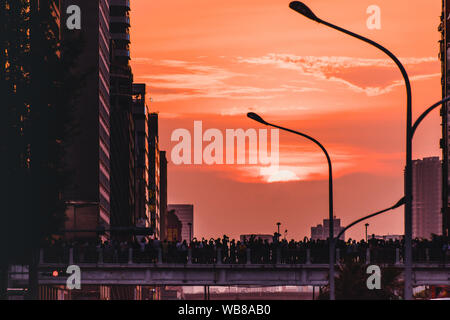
(37, 90)
(351, 283)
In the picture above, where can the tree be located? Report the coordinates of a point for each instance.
(37, 91)
(351, 283)
(13, 52)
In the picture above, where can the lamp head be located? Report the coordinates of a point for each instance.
(400, 203)
(301, 8)
(256, 117)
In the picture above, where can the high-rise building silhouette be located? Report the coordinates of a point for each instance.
(122, 122)
(445, 141)
(142, 180)
(163, 194)
(89, 196)
(427, 217)
(148, 163)
(154, 173)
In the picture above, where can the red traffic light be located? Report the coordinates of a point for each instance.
(55, 273)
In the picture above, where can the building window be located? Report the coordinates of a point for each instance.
(104, 193)
(104, 148)
(104, 170)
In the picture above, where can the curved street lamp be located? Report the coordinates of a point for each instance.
(305, 11)
(401, 201)
(395, 206)
(257, 118)
(425, 113)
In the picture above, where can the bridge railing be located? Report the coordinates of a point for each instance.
(433, 255)
(377, 255)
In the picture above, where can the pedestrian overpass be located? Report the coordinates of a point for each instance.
(133, 271)
(222, 274)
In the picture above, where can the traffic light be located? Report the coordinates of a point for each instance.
(55, 273)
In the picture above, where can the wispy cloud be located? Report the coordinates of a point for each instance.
(267, 110)
(181, 80)
(349, 71)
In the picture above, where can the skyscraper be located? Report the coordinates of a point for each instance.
(163, 196)
(154, 173)
(89, 154)
(445, 141)
(427, 217)
(142, 180)
(122, 122)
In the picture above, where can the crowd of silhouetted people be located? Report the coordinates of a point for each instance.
(250, 250)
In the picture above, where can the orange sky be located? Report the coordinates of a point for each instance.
(215, 61)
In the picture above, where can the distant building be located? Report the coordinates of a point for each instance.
(388, 237)
(427, 193)
(154, 173)
(163, 194)
(174, 226)
(185, 213)
(264, 237)
(321, 232)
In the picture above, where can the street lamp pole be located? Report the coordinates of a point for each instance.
(257, 118)
(401, 201)
(395, 206)
(425, 113)
(305, 11)
(190, 232)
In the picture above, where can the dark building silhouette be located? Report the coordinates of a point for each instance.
(151, 179)
(174, 226)
(445, 141)
(154, 173)
(322, 232)
(163, 196)
(142, 192)
(185, 213)
(89, 197)
(122, 122)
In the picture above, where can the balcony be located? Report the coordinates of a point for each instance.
(120, 36)
(120, 3)
(123, 20)
(122, 53)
